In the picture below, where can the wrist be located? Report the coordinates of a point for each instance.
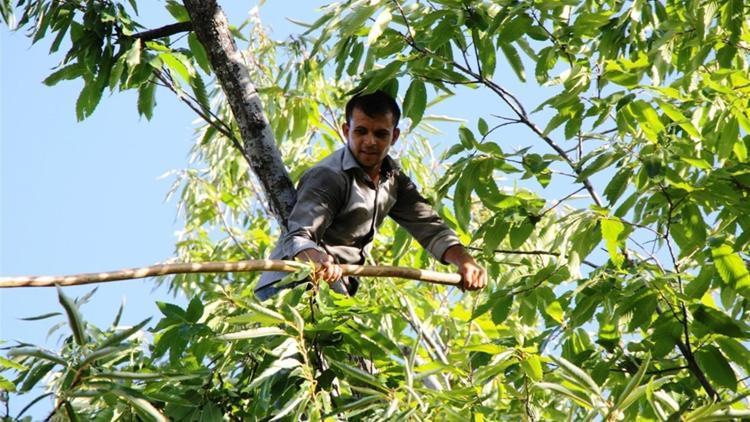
(457, 255)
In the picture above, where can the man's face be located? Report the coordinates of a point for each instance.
(370, 138)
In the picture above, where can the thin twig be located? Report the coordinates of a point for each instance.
(229, 232)
(509, 99)
(560, 202)
(533, 252)
(164, 31)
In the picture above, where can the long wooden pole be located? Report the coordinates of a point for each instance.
(223, 267)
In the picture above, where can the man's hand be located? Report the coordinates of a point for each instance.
(473, 276)
(326, 269)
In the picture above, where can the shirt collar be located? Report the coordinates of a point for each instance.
(389, 167)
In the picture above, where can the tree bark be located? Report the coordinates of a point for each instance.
(224, 267)
(211, 27)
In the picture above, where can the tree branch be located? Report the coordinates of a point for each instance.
(534, 252)
(164, 31)
(212, 29)
(509, 99)
(225, 267)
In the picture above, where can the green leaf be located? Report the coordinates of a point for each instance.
(520, 233)
(579, 397)
(735, 351)
(555, 311)
(514, 59)
(199, 53)
(179, 64)
(729, 134)
(715, 366)
(359, 375)
(88, 99)
(147, 99)
(629, 393)
(356, 19)
(133, 56)
(277, 366)
(577, 376)
(194, 310)
(611, 229)
(689, 231)
(102, 353)
(501, 309)
(145, 409)
(116, 338)
(466, 137)
(617, 185)
(36, 373)
(487, 55)
(124, 375)
(700, 284)
(6, 363)
(259, 314)
(172, 311)
(718, 322)
(39, 317)
(600, 162)
(676, 115)
(199, 91)
(253, 333)
(211, 413)
(462, 196)
(6, 385)
(415, 102)
(483, 127)
(532, 367)
(74, 317)
(177, 11)
(71, 412)
(37, 353)
(494, 234)
(300, 397)
(377, 28)
(65, 73)
(731, 268)
(642, 390)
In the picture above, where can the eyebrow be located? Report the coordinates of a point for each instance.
(377, 130)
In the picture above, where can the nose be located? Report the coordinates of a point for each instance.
(369, 139)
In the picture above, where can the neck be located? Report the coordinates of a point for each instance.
(374, 174)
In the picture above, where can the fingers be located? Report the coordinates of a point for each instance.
(327, 270)
(474, 277)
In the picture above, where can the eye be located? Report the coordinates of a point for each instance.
(382, 134)
(360, 131)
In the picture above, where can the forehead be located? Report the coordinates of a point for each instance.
(360, 118)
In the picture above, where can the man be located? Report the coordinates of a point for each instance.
(342, 200)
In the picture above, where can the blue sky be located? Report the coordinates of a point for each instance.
(85, 197)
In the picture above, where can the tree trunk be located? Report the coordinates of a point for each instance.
(211, 27)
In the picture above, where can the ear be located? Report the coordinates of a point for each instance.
(396, 133)
(345, 129)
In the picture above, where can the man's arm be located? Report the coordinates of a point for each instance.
(473, 276)
(319, 197)
(416, 215)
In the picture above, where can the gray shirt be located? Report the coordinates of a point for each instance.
(339, 209)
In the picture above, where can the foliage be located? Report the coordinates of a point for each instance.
(649, 105)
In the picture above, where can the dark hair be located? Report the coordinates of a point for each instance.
(376, 104)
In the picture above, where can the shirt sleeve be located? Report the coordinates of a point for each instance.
(320, 193)
(416, 215)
